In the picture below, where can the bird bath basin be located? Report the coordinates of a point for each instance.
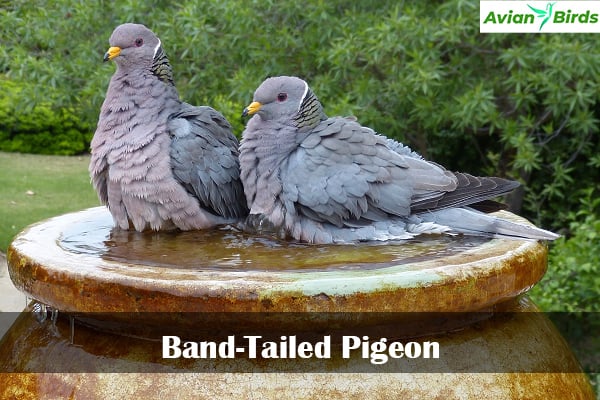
(125, 289)
(78, 263)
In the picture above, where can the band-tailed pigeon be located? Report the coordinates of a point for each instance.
(157, 162)
(327, 180)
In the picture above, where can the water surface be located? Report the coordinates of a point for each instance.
(227, 248)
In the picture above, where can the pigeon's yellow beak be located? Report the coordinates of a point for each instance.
(112, 53)
(252, 109)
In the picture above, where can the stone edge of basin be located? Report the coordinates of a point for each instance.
(475, 279)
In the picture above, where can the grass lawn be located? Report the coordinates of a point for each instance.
(35, 187)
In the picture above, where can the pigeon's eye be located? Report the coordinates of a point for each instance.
(139, 42)
(282, 97)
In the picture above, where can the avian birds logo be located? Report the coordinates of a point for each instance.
(544, 14)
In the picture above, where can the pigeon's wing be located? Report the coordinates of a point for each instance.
(345, 174)
(204, 159)
(470, 190)
(99, 174)
(98, 167)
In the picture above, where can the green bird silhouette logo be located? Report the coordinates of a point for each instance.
(545, 14)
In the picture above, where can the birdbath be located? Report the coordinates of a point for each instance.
(105, 299)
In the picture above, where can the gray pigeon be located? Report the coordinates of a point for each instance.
(159, 163)
(330, 180)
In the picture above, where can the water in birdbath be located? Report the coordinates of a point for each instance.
(229, 249)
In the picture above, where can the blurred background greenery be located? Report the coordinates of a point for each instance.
(522, 106)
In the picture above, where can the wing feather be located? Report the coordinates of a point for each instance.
(204, 159)
(343, 173)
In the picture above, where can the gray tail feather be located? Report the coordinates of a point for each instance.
(471, 222)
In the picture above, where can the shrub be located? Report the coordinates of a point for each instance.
(572, 282)
(39, 128)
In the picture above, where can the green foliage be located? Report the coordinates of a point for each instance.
(571, 286)
(572, 282)
(40, 129)
(522, 106)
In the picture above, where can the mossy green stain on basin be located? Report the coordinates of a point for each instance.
(349, 282)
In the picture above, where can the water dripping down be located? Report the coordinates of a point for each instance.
(72, 326)
(40, 311)
(54, 316)
(44, 313)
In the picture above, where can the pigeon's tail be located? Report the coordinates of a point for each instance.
(471, 222)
